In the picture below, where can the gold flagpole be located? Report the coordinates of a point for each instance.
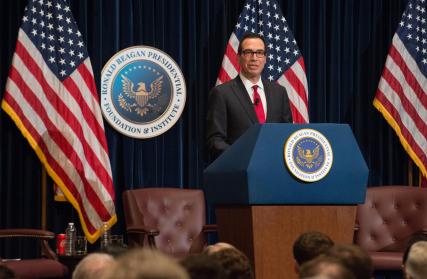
(44, 192)
(410, 173)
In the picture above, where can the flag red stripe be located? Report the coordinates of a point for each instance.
(296, 114)
(52, 162)
(90, 82)
(88, 114)
(410, 78)
(232, 56)
(408, 107)
(404, 131)
(90, 155)
(67, 115)
(223, 75)
(294, 80)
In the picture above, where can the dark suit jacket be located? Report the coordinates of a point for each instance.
(231, 112)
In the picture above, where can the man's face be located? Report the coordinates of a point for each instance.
(251, 63)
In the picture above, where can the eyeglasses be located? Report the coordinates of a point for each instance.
(249, 53)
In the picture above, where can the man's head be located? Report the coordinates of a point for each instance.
(93, 266)
(354, 258)
(209, 250)
(146, 264)
(202, 266)
(416, 264)
(251, 54)
(325, 267)
(234, 263)
(310, 245)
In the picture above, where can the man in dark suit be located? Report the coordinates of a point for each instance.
(236, 105)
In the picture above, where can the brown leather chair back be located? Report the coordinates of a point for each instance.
(387, 220)
(178, 215)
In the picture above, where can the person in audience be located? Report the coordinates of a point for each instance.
(6, 273)
(202, 266)
(354, 259)
(234, 263)
(325, 267)
(416, 263)
(146, 264)
(414, 239)
(309, 245)
(93, 266)
(217, 247)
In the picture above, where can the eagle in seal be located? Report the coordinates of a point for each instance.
(142, 95)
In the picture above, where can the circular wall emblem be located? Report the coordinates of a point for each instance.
(308, 155)
(143, 92)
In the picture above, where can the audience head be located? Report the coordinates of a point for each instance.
(354, 258)
(146, 264)
(309, 245)
(93, 266)
(217, 247)
(325, 267)
(6, 273)
(234, 263)
(414, 239)
(416, 264)
(202, 266)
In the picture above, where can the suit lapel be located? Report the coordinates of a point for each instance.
(239, 91)
(268, 96)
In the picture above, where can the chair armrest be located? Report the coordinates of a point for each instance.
(26, 233)
(42, 235)
(149, 232)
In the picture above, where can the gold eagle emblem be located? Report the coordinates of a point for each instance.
(141, 96)
(309, 158)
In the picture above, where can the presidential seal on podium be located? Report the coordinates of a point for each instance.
(308, 155)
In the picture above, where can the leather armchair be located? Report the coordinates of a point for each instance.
(171, 219)
(390, 216)
(47, 266)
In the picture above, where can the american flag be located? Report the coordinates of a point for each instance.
(52, 98)
(285, 63)
(401, 94)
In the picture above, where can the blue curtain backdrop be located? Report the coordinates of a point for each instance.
(344, 44)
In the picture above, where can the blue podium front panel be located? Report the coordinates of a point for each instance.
(253, 170)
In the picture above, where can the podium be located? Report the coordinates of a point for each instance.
(261, 207)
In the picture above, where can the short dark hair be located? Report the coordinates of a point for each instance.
(202, 266)
(235, 264)
(354, 258)
(321, 265)
(310, 245)
(250, 36)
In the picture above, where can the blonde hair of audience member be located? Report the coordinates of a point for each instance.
(93, 266)
(324, 267)
(416, 264)
(217, 247)
(146, 264)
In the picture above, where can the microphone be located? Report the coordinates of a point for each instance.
(256, 102)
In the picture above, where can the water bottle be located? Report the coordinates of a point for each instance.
(70, 239)
(105, 237)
